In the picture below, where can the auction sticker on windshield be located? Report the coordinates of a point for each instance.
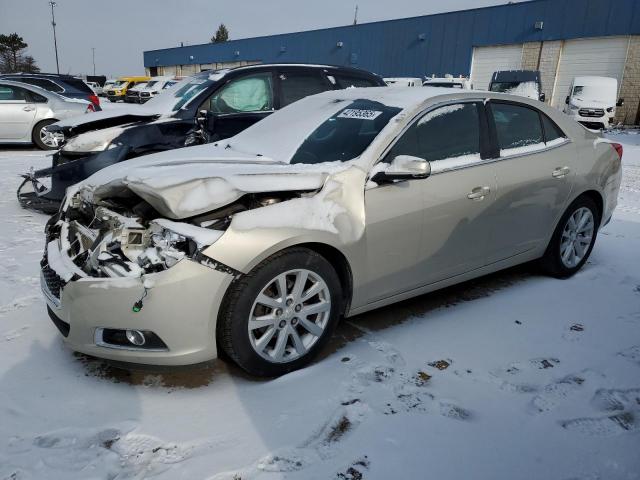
(360, 114)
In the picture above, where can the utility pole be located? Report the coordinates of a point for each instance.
(55, 41)
(93, 56)
(355, 17)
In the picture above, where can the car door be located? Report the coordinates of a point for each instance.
(534, 175)
(17, 113)
(240, 103)
(422, 231)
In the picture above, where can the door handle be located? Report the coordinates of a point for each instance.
(560, 172)
(28, 108)
(479, 193)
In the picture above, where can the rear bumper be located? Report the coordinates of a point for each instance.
(181, 309)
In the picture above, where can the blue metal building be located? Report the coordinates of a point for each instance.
(418, 46)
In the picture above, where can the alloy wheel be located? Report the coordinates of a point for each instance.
(50, 139)
(289, 315)
(576, 237)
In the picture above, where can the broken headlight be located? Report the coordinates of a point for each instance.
(169, 242)
(97, 141)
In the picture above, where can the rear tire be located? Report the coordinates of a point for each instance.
(573, 239)
(269, 332)
(40, 139)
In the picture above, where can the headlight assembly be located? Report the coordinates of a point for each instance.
(97, 141)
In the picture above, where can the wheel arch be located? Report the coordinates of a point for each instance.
(596, 197)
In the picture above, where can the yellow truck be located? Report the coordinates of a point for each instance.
(118, 90)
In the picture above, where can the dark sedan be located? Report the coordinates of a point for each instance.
(209, 106)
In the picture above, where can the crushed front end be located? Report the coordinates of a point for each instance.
(122, 284)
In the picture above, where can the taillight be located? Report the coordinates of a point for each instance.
(618, 149)
(95, 100)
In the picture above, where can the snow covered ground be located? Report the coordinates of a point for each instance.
(513, 376)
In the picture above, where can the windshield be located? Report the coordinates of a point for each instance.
(172, 100)
(151, 83)
(504, 87)
(597, 93)
(316, 130)
(120, 83)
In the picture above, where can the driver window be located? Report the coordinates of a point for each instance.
(449, 136)
(253, 93)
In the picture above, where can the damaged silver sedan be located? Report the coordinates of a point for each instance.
(338, 204)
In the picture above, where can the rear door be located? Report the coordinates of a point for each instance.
(241, 102)
(17, 113)
(534, 175)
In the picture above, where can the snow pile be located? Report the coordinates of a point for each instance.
(525, 89)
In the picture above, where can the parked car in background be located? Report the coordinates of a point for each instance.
(118, 90)
(133, 93)
(403, 82)
(448, 81)
(107, 85)
(524, 83)
(97, 89)
(592, 101)
(209, 106)
(155, 86)
(26, 111)
(64, 85)
(339, 204)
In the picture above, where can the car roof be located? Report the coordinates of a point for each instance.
(516, 76)
(42, 75)
(356, 71)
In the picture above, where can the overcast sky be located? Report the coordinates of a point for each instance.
(120, 31)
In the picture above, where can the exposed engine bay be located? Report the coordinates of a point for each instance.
(127, 237)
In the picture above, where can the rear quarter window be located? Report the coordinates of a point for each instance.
(551, 131)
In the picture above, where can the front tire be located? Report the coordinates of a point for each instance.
(278, 317)
(45, 140)
(573, 239)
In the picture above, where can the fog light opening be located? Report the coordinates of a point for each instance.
(136, 337)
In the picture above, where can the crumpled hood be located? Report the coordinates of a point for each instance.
(105, 119)
(192, 181)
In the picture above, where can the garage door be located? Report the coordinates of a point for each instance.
(602, 57)
(487, 60)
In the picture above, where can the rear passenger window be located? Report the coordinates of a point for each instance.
(296, 86)
(346, 81)
(552, 132)
(448, 136)
(519, 129)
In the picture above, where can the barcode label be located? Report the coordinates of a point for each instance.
(360, 114)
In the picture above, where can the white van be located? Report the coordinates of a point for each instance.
(592, 101)
(155, 86)
(448, 81)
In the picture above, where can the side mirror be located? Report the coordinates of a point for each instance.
(566, 100)
(403, 167)
(206, 120)
(542, 97)
(620, 102)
